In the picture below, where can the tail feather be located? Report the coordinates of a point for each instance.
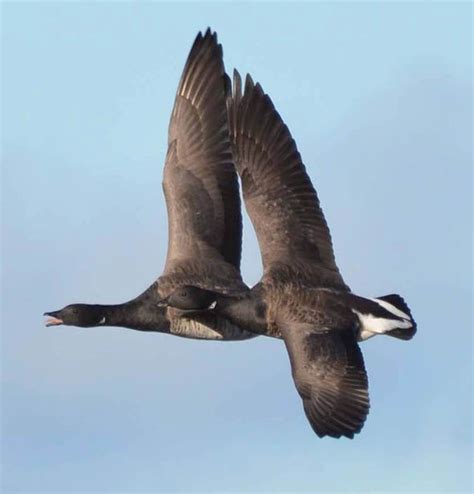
(398, 303)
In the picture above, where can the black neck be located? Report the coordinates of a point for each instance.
(247, 311)
(141, 313)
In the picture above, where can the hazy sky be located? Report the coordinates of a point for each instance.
(378, 98)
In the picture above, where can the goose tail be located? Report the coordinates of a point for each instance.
(396, 304)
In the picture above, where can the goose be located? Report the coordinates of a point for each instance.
(204, 218)
(302, 297)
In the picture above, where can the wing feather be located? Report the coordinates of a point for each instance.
(284, 208)
(329, 374)
(200, 183)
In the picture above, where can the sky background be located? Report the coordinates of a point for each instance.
(378, 98)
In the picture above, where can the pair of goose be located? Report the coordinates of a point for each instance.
(215, 132)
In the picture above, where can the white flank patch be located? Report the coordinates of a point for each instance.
(102, 321)
(213, 305)
(365, 335)
(189, 328)
(371, 325)
(391, 308)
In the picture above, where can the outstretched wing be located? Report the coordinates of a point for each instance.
(329, 373)
(200, 183)
(279, 197)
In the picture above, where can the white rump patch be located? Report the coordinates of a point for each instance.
(371, 325)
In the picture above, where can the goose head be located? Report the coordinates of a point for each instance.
(81, 315)
(191, 298)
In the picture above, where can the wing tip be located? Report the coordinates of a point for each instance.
(207, 39)
(204, 57)
(332, 425)
(249, 86)
(236, 86)
(209, 34)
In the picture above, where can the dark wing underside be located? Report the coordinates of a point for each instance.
(200, 183)
(329, 373)
(279, 197)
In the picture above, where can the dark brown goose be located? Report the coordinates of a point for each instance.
(302, 296)
(204, 217)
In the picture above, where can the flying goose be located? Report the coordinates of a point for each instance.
(204, 217)
(302, 297)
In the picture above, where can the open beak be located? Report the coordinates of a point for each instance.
(52, 320)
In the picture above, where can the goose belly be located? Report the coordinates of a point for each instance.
(220, 329)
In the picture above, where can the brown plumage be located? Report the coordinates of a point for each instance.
(200, 182)
(300, 271)
(301, 297)
(279, 196)
(202, 198)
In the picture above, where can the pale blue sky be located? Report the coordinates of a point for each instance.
(378, 98)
